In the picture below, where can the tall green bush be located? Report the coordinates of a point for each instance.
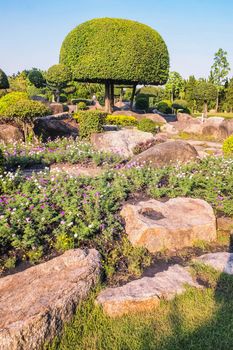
(90, 122)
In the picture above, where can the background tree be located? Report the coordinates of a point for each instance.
(229, 96)
(4, 83)
(175, 85)
(205, 92)
(115, 51)
(219, 72)
(190, 92)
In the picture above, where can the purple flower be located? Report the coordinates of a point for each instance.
(62, 213)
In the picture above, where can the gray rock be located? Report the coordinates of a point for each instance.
(122, 142)
(10, 133)
(221, 261)
(166, 153)
(145, 293)
(36, 302)
(174, 224)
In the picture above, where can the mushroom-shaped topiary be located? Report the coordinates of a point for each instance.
(111, 50)
(58, 78)
(4, 83)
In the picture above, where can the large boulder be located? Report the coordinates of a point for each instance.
(125, 112)
(61, 125)
(215, 127)
(10, 134)
(145, 293)
(166, 153)
(36, 302)
(220, 261)
(154, 117)
(122, 142)
(174, 224)
(184, 117)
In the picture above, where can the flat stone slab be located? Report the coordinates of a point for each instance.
(174, 224)
(34, 303)
(145, 293)
(76, 170)
(221, 261)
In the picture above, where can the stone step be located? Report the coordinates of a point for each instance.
(145, 293)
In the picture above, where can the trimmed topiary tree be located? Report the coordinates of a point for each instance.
(115, 51)
(57, 79)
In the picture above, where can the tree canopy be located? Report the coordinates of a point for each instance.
(116, 49)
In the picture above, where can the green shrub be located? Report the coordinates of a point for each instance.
(22, 111)
(228, 146)
(75, 101)
(181, 106)
(10, 99)
(121, 120)
(142, 103)
(63, 98)
(82, 106)
(148, 125)
(90, 122)
(26, 111)
(164, 107)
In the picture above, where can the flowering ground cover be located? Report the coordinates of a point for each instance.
(57, 151)
(49, 213)
(46, 213)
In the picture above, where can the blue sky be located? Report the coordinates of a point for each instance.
(32, 31)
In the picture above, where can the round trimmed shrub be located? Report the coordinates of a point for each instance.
(26, 110)
(121, 120)
(142, 103)
(10, 99)
(58, 75)
(82, 106)
(164, 107)
(36, 78)
(4, 83)
(181, 105)
(148, 125)
(119, 50)
(228, 146)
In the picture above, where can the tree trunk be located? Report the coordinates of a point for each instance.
(132, 97)
(108, 97)
(112, 96)
(121, 95)
(217, 102)
(205, 109)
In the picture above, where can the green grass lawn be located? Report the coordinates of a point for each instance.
(198, 320)
(221, 114)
